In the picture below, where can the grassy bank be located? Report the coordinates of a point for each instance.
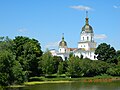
(42, 80)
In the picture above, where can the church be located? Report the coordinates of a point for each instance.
(86, 46)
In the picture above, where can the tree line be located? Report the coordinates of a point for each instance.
(22, 58)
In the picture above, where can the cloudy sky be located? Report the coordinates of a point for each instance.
(46, 20)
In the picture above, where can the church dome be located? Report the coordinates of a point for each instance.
(63, 43)
(87, 28)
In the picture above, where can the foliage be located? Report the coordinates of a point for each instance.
(10, 70)
(106, 53)
(71, 55)
(6, 44)
(73, 69)
(96, 68)
(46, 63)
(114, 70)
(118, 56)
(86, 67)
(28, 53)
(60, 68)
(18, 59)
(56, 61)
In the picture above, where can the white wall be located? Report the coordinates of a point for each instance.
(87, 37)
(89, 55)
(63, 55)
(83, 45)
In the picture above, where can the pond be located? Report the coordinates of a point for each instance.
(74, 86)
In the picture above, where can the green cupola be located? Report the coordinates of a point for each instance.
(87, 28)
(63, 43)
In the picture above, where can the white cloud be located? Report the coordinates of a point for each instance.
(100, 36)
(52, 45)
(116, 7)
(22, 30)
(81, 7)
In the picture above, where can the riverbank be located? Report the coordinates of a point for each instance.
(66, 80)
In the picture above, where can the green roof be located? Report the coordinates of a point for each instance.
(87, 28)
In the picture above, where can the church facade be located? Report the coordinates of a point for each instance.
(86, 46)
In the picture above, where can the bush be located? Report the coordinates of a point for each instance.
(37, 79)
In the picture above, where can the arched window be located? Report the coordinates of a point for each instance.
(91, 39)
(83, 38)
(87, 38)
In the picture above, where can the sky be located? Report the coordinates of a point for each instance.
(46, 20)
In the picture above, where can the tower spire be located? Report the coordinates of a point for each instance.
(87, 18)
(86, 14)
(62, 36)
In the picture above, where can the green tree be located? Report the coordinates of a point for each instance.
(28, 53)
(18, 73)
(114, 70)
(6, 44)
(85, 66)
(6, 62)
(46, 63)
(118, 56)
(10, 70)
(74, 69)
(97, 68)
(56, 61)
(60, 68)
(65, 66)
(106, 53)
(118, 53)
(71, 55)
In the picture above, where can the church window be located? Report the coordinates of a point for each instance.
(91, 39)
(87, 38)
(83, 38)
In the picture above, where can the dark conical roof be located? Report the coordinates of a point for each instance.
(87, 28)
(63, 43)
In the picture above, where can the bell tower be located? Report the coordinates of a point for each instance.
(63, 45)
(87, 33)
(87, 36)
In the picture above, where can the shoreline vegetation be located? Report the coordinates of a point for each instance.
(96, 79)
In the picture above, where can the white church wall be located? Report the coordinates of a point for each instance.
(86, 37)
(86, 54)
(53, 52)
(62, 50)
(64, 56)
(83, 45)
